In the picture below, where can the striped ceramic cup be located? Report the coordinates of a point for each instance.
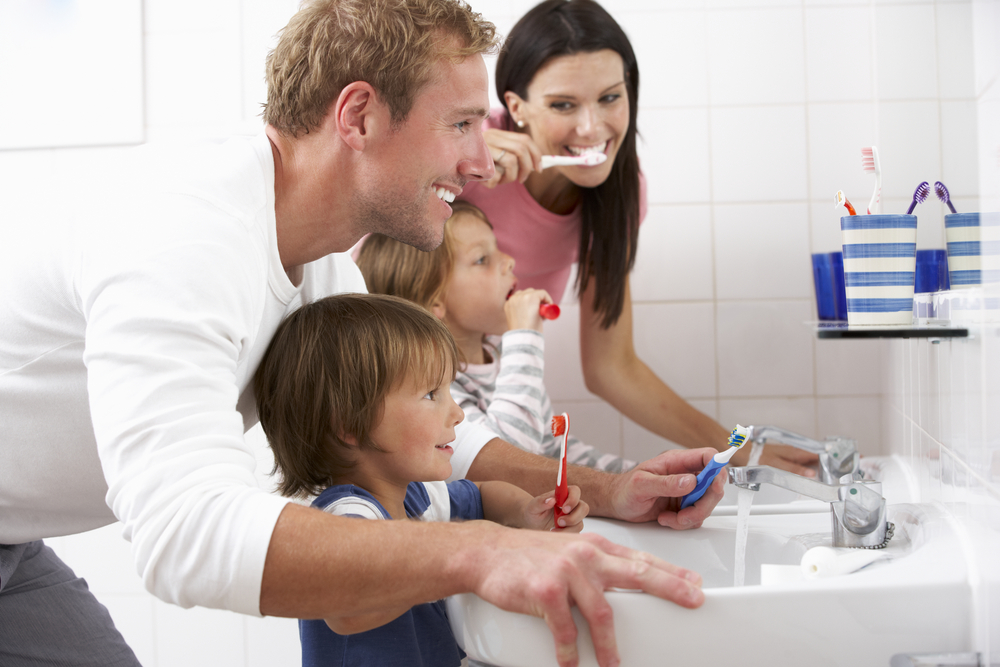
(973, 248)
(880, 255)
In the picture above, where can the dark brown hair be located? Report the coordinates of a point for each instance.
(391, 44)
(610, 211)
(326, 375)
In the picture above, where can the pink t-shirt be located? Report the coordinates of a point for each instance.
(544, 245)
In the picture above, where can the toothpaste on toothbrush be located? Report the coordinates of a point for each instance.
(737, 439)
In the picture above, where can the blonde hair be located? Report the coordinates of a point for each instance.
(326, 375)
(392, 267)
(390, 44)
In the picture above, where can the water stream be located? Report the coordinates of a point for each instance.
(744, 499)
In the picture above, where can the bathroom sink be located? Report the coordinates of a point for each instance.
(919, 601)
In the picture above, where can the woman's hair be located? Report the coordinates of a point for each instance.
(326, 375)
(391, 44)
(610, 211)
(392, 267)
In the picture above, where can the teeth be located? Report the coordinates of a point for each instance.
(446, 195)
(576, 150)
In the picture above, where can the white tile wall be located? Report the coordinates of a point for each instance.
(752, 116)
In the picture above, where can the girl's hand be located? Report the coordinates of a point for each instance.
(515, 156)
(521, 309)
(538, 514)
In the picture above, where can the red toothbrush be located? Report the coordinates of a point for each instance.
(560, 426)
(549, 311)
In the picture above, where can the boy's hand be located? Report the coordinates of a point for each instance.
(538, 514)
(521, 309)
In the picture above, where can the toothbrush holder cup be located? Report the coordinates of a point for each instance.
(973, 248)
(880, 255)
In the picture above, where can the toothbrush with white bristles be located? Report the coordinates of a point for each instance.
(560, 427)
(919, 196)
(585, 160)
(737, 439)
(870, 164)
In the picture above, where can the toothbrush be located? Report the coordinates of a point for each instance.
(919, 196)
(942, 193)
(870, 164)
(560, 426)
(549, 311)
(842, 201)
(585, 160)
(737, 439)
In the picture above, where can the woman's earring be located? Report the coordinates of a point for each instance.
(520, 124)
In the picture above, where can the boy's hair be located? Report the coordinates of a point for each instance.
(326, 375)
(390, 44)
(392, 267)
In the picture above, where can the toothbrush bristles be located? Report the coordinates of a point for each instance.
(559, 424)
(922, 191)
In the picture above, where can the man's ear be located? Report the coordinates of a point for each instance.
(359, 114)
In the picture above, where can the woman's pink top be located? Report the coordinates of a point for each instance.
(544, 245)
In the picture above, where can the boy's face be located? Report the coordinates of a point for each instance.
(418, 423)
(480, 282)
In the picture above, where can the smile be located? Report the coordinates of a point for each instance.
(584, 150)
(446, 195)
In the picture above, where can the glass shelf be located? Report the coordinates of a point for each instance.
(930, 330)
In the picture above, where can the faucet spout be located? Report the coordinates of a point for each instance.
(857, 507)
(837, 456)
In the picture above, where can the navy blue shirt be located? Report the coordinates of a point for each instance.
(421, 637)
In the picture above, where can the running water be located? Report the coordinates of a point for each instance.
(744, 499)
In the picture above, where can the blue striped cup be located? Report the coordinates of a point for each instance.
(973, 248)
(880, 256)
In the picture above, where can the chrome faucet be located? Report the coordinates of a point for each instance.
(837, 456)
(857, 507)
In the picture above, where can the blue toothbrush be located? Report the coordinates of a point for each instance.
(737, 439)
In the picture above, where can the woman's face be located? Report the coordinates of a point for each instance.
(577, 104)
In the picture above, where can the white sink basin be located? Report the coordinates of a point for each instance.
(918, 602)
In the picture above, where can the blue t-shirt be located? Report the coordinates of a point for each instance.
(422, 636)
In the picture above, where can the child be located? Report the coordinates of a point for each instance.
(353, 394)
(470, 285)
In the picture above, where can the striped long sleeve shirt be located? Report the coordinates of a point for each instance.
(508, 397)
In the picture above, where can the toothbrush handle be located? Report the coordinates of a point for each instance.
(549, 311)
(705, 478)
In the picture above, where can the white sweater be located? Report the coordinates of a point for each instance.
(508, 396)
(130, 329)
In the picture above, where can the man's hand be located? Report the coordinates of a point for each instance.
(785, 457)
(544, 574)
(653, 490)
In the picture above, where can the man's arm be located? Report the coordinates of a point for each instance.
(323, 566)
(651, 491)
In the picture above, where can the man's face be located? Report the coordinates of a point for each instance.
(426, 161)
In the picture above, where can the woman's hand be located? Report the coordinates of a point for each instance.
(538, 514)
(515, 156)
(522, 307)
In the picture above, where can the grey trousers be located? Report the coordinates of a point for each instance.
(48, 616)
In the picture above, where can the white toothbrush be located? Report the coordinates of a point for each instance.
(585, 160)
(869, 162)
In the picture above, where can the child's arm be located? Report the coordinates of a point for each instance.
(511, 506)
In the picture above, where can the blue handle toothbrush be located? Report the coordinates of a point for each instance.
(737, 439)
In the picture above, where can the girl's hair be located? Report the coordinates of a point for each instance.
(392, 267)
(391, 44)
(610, 211)
(326, 375)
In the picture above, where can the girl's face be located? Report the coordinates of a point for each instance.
(480, 282)
(577, 104)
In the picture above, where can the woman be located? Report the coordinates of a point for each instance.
(569, 82)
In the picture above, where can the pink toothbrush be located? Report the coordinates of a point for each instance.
(560, 426)
(870, 164)
(585, 160)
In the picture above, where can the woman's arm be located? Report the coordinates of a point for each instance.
(613, 371)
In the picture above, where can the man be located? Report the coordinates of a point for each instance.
(132, 325)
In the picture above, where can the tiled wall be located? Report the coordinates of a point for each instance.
(752, 116)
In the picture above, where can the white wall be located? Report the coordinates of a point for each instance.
(752, 115)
